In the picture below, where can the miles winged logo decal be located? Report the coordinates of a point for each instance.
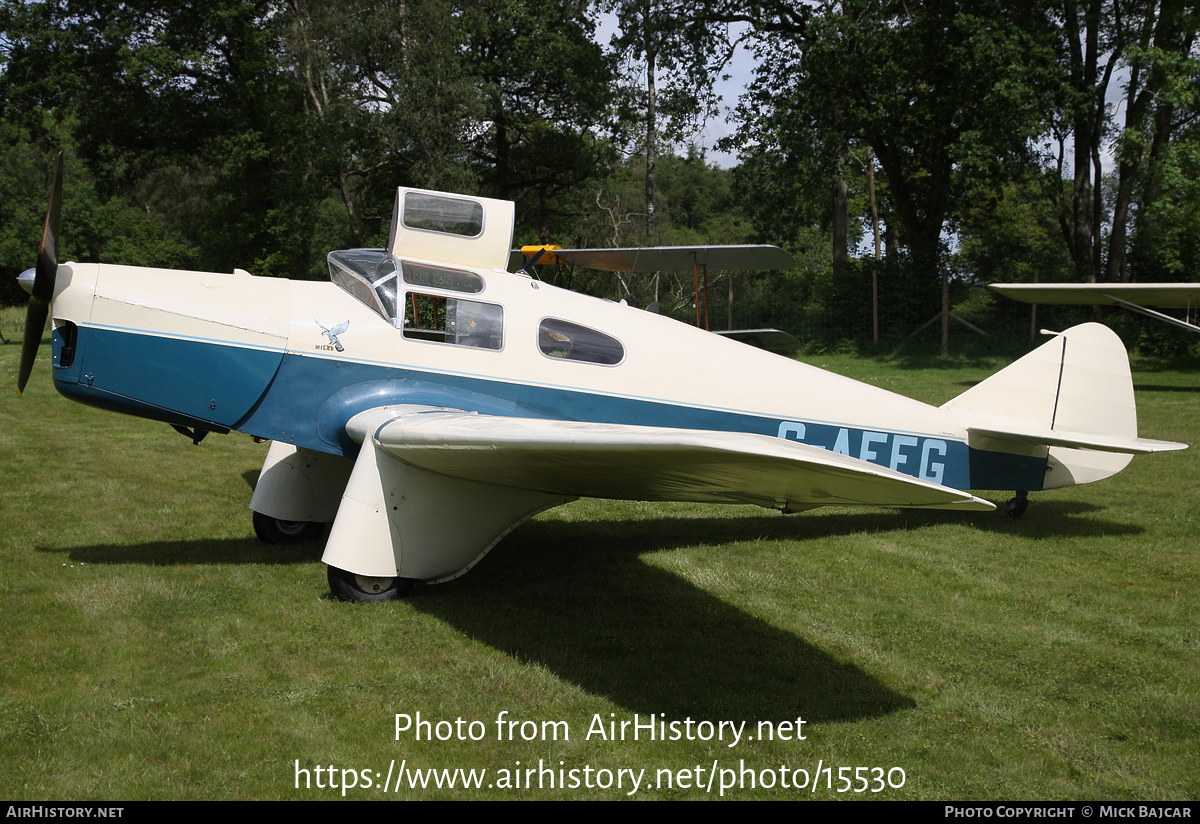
(332, 334)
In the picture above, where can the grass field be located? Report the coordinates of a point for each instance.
(154, 649)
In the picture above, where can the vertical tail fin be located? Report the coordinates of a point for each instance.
(1071, 399)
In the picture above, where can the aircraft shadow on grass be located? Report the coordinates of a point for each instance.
(578, 599)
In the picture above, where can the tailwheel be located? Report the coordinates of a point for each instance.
(1016, 507)
(281, 533)
(347, 586)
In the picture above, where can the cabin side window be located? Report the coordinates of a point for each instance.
(455, 321)
(439, 277)
(570, 341)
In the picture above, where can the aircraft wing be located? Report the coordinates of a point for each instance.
(1166, 295)
(1133, 296)
(667, 258)
(620, 461)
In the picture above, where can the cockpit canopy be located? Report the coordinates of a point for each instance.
(457, 230)
(416, 283)
(369, 275)
(421, 298)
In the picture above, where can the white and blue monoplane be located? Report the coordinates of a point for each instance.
(449, 399)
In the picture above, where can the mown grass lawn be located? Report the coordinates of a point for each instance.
(153, 648)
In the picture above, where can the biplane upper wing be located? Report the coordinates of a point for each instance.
(1133, 296)
(1167, 295)
(666, 258)
(606, 460)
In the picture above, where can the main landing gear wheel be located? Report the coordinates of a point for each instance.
(346, 586)
(1016, 507)
(281, 533)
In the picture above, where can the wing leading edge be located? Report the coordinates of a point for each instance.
(626, 462)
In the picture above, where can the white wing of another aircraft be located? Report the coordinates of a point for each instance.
(1133, 296)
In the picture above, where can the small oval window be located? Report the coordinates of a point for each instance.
(453, 280)
(570, 341)
(443, 214)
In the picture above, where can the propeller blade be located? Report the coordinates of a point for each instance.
(43, 281)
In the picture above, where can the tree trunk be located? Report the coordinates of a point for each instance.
(348, 197)
(651, 115)
(875, 264)
(729, 324)
(945, 308)
(840, 192)
(502, 161)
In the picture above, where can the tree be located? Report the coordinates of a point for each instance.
(1158, 151)
(685, 47)
(194, 104)
(1152, 41)
(943, 92)
(389, 98)
(546, 88)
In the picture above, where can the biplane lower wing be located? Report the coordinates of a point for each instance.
(772, 340)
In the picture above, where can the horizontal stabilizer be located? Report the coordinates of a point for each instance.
(1079, 440)
(604, 460)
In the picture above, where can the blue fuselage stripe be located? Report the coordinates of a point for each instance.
(307, 401)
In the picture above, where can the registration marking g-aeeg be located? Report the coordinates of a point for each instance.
(929, 459)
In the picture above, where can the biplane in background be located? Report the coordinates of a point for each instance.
(426, 401)
(695, 259)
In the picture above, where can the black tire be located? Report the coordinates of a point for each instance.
(1016, 507)
(282, 533)
(346, 586)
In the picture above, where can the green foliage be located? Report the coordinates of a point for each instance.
(1166, 246)
(688, 50)
(262, 135)
(1012, 235)
(941, 92)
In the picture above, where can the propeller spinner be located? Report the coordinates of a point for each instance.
(43, 279)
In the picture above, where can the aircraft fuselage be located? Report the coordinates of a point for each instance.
(261, 356)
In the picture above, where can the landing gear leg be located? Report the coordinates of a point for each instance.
(1016, 506)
